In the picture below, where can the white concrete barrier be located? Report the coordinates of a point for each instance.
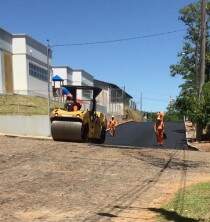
(36, 125)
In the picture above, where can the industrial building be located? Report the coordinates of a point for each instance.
(23, 65)
(115, 99)
(24, 70)
(65, 72)
(77, 77)
(6, 74)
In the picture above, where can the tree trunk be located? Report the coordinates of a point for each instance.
(199, 131)
(208, 131)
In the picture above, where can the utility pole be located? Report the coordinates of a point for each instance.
(123, 99)
(141, 102)
(202, 64)
(49, 77)
(202, 46)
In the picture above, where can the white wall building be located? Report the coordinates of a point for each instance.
(65, 72)
(82, 78)
(112, 98)
(29, 66)
(23, 66)
(6, 75)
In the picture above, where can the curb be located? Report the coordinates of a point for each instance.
(26, 137)
(45, 137)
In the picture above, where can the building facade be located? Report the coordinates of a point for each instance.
(82, 78)
(65, 72)
(6, 74)
(29, 66)
(115, 99)
(23, 66)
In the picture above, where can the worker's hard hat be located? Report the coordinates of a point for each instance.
(112, 116)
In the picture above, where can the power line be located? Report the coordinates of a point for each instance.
(119, 40)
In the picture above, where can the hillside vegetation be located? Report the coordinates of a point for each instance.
(23, 105)
(134, 115)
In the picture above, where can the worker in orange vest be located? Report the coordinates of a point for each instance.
(159, 128)
(112, 126)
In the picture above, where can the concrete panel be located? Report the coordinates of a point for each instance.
(20, 76)
(76, 78)
(25, 125)
(19, 45)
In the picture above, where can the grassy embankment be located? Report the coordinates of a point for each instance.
(190, 205)
(34, 105)
(23, 105)
(135, 115)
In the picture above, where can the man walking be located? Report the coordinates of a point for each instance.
(159, 128)
(112, 126)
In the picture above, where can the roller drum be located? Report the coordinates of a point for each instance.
(66, 131)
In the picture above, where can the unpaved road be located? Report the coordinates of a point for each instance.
(45, 181)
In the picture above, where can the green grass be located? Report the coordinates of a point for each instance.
(188, 205)
(23, 105)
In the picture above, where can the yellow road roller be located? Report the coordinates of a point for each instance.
(76, 122)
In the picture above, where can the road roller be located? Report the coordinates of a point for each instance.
(77, 123)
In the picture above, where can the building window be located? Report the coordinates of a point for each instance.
(87, 93)
(38, 72)
(117, 96)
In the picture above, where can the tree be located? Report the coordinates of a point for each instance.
(187, 102)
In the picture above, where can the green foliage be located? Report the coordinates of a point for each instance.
(191, 106)
(175, 117)
(151, 116)
(206, 94)
(172, 113)
(187, 103)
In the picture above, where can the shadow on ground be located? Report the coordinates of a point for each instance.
(172, 216)
(176, 163)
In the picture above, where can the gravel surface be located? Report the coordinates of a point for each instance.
(68, 182)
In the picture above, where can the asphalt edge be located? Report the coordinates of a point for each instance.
(122, 123)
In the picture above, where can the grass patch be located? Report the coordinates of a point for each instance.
(23, 105)
(188, 205)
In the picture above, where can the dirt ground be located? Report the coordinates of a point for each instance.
(45, 181)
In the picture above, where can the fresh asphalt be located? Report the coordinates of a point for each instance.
(142, 135)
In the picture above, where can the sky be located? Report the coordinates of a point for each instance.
(141, 65)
